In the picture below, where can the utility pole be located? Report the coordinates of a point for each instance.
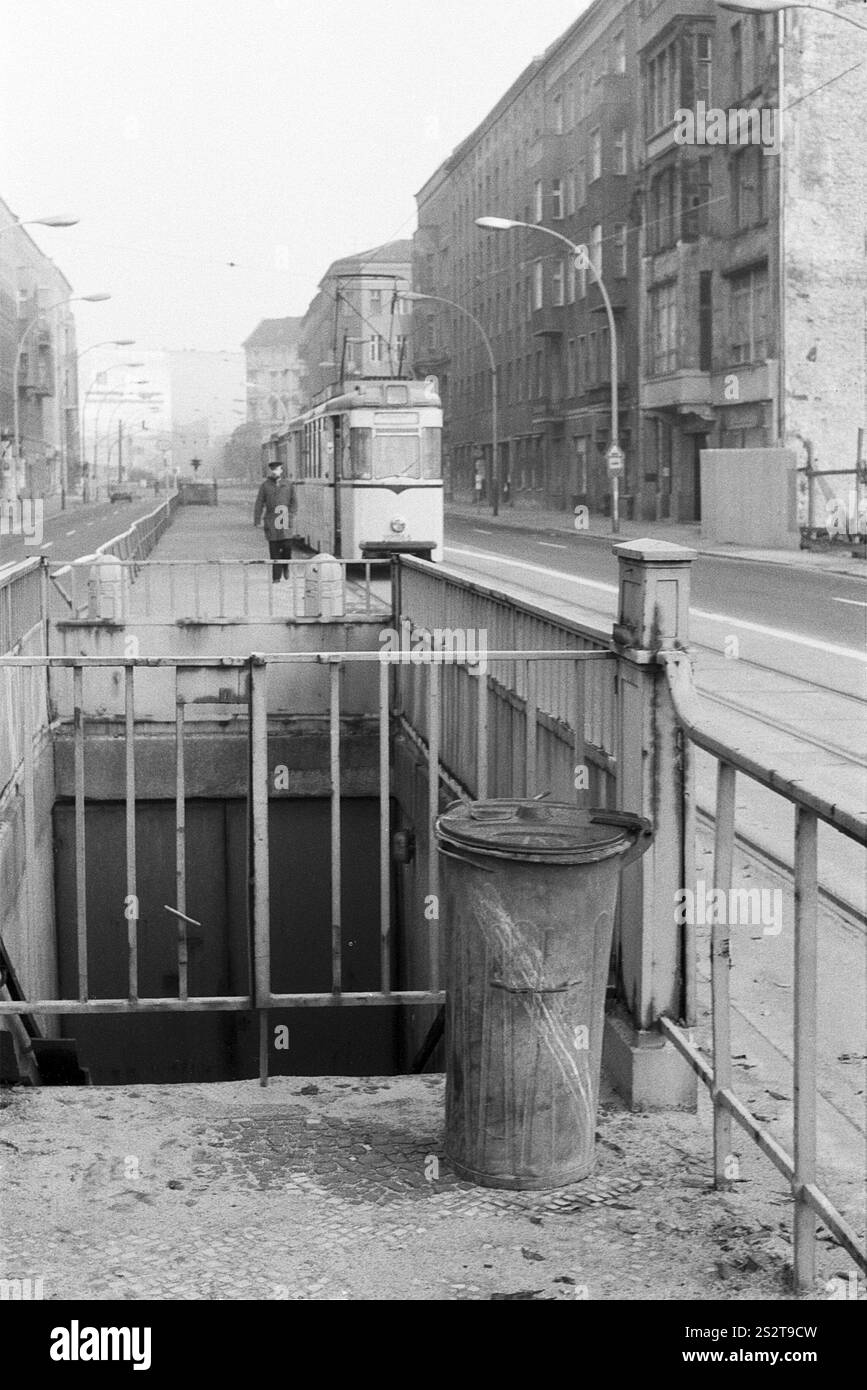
(120, 451)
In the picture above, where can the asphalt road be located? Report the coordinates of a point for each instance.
(809, 624)
(69, 534)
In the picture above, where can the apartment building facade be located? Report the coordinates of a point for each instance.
(732, 266)
(30, 286)
(356, 325)
(274, 373)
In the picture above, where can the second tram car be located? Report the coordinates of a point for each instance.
(367, 470)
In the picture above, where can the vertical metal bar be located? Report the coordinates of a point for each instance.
(720, 965)
(131, 889)
(29, 673)
(806, 963)
(433, 812)
(384, 837)
(580, 775)
(334, 733)
(245, 571)
(80, 867)
(221, 587)
(180, 838)
(690, 988)
(367, 594)
(147, 588)
(171, 589)
(261, 870)
(482, 744)
(271, 587)
(196, 591)
(530, 730)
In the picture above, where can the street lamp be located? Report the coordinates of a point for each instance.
(60, 304)
(583, 261)
(413, 296)
(775, 6)
(55, 219)
(115, 366)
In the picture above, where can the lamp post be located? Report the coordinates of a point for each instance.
(106, 342)
(59, 304)
(776, 6)
(413, 296)
(583, 261)
(56, 219)
(115, 366)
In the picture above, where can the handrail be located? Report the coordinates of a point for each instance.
(688, 709)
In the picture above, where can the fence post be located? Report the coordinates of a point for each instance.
(654, 780)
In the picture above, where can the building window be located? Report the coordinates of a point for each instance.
(619, 248)
(570, 280)
(596, 248)
(538, 201)
(760, 49)
(557, 284)
(538, 284)
(695, 198)
(591, 359)
(557, 200)
(662, 89)
(570, 367)
(662, 223)
(595, 154)
(621, 152)
(557, 114)
(570, 105)
(703, 67)
(540, 373)
(663, 329)
(570, 193)
(619, 53)
(748, 173)
(377, 348)
(582, 363)
(374, 302)
(748, 316)
(736, 32)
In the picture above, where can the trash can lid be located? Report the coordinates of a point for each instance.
(546, 832)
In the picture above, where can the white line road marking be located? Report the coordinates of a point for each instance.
(47, 545)
(732, 623)
(479, 532)
(552, 545)
(856, 602)
(72, 532)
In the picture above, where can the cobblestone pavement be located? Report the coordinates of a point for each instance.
(336, 1188)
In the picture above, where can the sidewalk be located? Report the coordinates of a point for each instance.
(525, 515)
(336, 1188)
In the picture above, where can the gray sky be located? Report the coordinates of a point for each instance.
(276, 134)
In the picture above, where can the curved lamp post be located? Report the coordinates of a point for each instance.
(413, 296)
(55, 219)
(583, 261)
(775, 6)
(59, 304)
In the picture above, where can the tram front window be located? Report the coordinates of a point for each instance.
(386, 454)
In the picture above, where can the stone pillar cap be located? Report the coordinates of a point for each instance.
(650, 550)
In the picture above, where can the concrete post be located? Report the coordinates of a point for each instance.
(654, 779)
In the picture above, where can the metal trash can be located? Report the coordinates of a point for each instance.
(528, 896)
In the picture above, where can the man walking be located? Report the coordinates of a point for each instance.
(276, 499)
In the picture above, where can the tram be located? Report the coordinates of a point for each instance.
(367, 469)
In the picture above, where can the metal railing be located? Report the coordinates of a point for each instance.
(205, 591)
(559, 725)
(347, 677)
(798, 1168)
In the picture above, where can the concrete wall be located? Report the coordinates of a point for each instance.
(749, 497)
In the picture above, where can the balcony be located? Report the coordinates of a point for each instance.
(549, 322)
(684, 388)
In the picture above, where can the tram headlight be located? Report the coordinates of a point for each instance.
(398, 524)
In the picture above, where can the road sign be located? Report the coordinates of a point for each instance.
(615, 460)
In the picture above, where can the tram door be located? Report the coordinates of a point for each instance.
(336, 468)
